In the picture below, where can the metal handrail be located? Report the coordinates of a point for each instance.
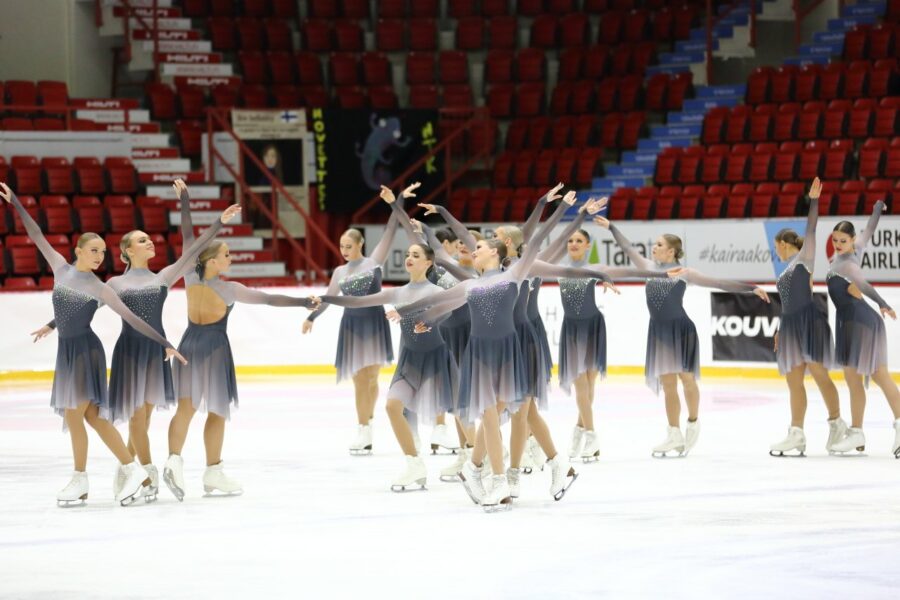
(801, 12)
(219, 117)
(479, 116)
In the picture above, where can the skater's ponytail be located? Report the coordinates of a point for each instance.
(206, 255)
(790, 237)
(515, 235)
(445, 235)
(124, 245)
(500, 247)
(357, 236)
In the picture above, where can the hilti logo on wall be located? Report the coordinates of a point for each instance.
(190, 58)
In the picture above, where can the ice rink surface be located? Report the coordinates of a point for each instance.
(727, 522)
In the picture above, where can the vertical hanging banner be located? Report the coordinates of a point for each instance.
(744, 327)
(358, 151)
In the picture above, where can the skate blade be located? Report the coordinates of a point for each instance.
(781, 453)
(450, 478)
(572, 477)
(400, 489)
(665, 454)
(897, 453)
(527, 470)
(129, 500)
(367, 451)
(503, 506)
(72, 503)
(151, 496)
(591, 458)
(213, 492)
(173, 487)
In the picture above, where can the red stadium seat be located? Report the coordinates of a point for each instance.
(503, 33)
(423, 34)
(454, 67)
(309, 69)
(348, 36)
(250, 35)
(470, 33)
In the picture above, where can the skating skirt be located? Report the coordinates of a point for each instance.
(492, 370)
(208, 379)
(804, 337)
(139, 375)
(427, 382)
(535, 370)
(456, 337)
(364, 339)
(80, 374)
(582, 348)
(546, 355)
(860, 341)
(672, 347)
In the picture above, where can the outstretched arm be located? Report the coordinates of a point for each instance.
(628, 272)
(442, 257)
(534, 219)
(694, 277)
(853, 272)
(554, 252)
(248, 296)
(380, 253)
(808, 251)
(53, 258)
(443, 301)
(543, 269)
(520, 269)
(460, 230)
(109, 297)
(189, 254)
(377, 299)
(862, 240)
(636, 257)
(334, 287)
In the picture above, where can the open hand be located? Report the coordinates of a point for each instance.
(5, 192)
(597, 205)
(569, 198)
(230, 212)
(421, 328)
(552, 195)
(393, 316)
(888, 312)
(429, 209)
(815, 190)
(172, 352)
(387, 195)
(307, 327)
(408, 192)
(416, 225)
(41, 333)
(762, 294)
(180, 187)
(677, 272)
(602, 222)
(610, 286)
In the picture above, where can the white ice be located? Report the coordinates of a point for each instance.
(728, 521)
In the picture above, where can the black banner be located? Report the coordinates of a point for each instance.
(744, 327)
(357, 151)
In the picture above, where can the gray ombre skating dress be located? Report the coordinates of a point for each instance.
(582, 338)
(139, 373)
(426, 379)
(860, 340)
(455, 328)
(672, 343)
(364, 336)
(80, 371)
(533, 312)
(209, 378)
(804, 335)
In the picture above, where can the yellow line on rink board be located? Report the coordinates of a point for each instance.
(256, 371)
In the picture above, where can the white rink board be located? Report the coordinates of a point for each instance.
(268, 336)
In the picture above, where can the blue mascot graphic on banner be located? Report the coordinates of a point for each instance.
(373, 160)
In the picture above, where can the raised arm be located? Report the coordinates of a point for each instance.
(109, 297)
(442, 257)
(852, 271)
(187, 223)
(414, 237)
(189, 254)
(461, 231)
(862, 240)
(534, 219)
(380, 253)
(808, 251)
(521, 268)
(636, 257)
(248, 296)
(53, 258)
(554, 252)
(334, 286)
(388, 296)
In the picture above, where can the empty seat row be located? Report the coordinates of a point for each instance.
(823, 82)
(116, 214)
(625, 93)
(30, 93)
(813, 120)
(597, 61)
(391, 35)
(497, 205)
(29, 176)
(251, 8)
(250, 34)
(770, 162)
(537, 133)
(21, 257)
(872, 42)
(546, 167)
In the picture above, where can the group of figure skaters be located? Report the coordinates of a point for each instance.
(473, 346)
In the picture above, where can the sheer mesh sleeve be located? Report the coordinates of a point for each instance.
(403, 219)
(188, 260)
(376, 299)
(636, 257)
(53, 258)
(461, 231)
(629, 272)
(334, 286)
(242, 293)
(439, 302)
(737, 287)
(187, 223)
(862, 240)
(109, 297)
(808, 252)
(520, 270)
(443, 259)
(380, 253)
(851, 271)
(543, 269)
(554, 252)
(533, 219)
